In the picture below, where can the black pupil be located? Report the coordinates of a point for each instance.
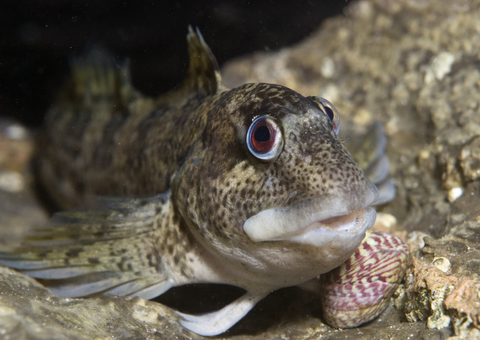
(261, 134)
(329, 112)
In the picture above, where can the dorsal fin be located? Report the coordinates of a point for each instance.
(97, 77)
(203, 73)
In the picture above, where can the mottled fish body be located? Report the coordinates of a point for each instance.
(248, 186)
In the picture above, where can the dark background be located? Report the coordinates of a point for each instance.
(39, 37)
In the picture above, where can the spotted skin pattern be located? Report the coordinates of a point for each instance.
(173, 183)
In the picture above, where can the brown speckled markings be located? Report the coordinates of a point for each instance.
(230, 185)
(103, 137)
(182, 182)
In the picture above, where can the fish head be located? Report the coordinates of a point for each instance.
(270, 190)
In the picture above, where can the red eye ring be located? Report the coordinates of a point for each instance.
(264, 138)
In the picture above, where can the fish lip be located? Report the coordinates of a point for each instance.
(319, 233)
(314, 217)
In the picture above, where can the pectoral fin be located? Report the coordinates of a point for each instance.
(218, 322)
(105, 247)
(370, 155)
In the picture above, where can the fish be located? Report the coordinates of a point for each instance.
(250, 187)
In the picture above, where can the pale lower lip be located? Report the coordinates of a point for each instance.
(283, 223)
(347, 223)
(318, 233)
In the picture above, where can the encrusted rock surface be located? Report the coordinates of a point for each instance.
(413, 65)
(29, 311)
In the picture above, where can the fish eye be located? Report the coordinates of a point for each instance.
(330, 111)
(264, 138)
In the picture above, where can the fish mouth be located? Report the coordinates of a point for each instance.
(320, 221)
(323, 232)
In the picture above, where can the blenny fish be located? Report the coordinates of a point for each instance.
(250, 187)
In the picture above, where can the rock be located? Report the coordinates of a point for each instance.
(29, 311)
(413, 65)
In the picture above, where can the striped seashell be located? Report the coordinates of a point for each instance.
(359, 290)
